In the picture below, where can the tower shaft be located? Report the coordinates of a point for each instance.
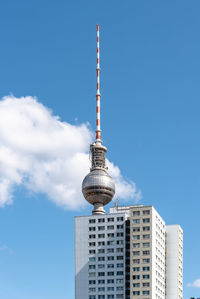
(98, 95)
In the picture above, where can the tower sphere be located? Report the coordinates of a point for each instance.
(98, 187)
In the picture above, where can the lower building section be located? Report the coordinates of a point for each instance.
(127, 254)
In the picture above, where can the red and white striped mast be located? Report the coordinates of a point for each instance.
(98, 95)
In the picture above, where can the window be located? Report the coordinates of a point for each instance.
(101, 220)
(110, 227)
(92, 267)
(110, 296)
(110, 273)
(101, 243)
(145, 292)
(92, 220)
(136, 213)
(101, 266)
(92, 228)
(146, 228)
(136, 293)
(136, 237)
(146, 276)
(92, 244)
(101, 227)
(120, 226)
(146, 284)
(136, 252)
(146, 244)
(120, 257)
(92, 289)
(92, 297)
(110, 281)
(120, 273)
(119, 296)
(101, 236)
(120, 234)
(146, 220)
(145, 261)
(120, 249)
(146, 236)
(120, 265)
(111, 219)
(110, 289)
(136, 261)
(146, 212)
(119, 281)
(120, 288)
(110, 265)
(136, 245)
(110, 242)
(101, 289)
(146, 268)
(101, 250)
(146, 252)
(110, 250)
(92, 259)
(136, 269)
(110, 235)
(120, 218)
(92, 251)
(92, 274)
(136, 285)
(110, 258)
(101, 258)
(136, 277)
(92, 281)
(101, 273)
(136, 221)
(101, 296)
(120, 242)
(136, 229)
(101, 281)
(92, 236)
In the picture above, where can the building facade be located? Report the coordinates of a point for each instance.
(174, 262)
(128, 253)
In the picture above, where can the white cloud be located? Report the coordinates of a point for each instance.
(195, 284)
(46, 155)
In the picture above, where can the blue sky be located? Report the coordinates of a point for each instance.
(150, 120)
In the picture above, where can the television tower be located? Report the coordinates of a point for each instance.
(98, 187)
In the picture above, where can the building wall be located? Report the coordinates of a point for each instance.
(174, 262)
(100, 256)
(81, 257)
(158, 256)
(147, 253)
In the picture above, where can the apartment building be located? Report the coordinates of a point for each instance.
(128, 253)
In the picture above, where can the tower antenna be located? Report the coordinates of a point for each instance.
(98, 95)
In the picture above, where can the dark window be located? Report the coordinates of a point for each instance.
(136, 213)
(101, 220)
(146, 212)
(92, 221)
(111, 219)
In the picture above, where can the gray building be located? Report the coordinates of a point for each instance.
(128, 253)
